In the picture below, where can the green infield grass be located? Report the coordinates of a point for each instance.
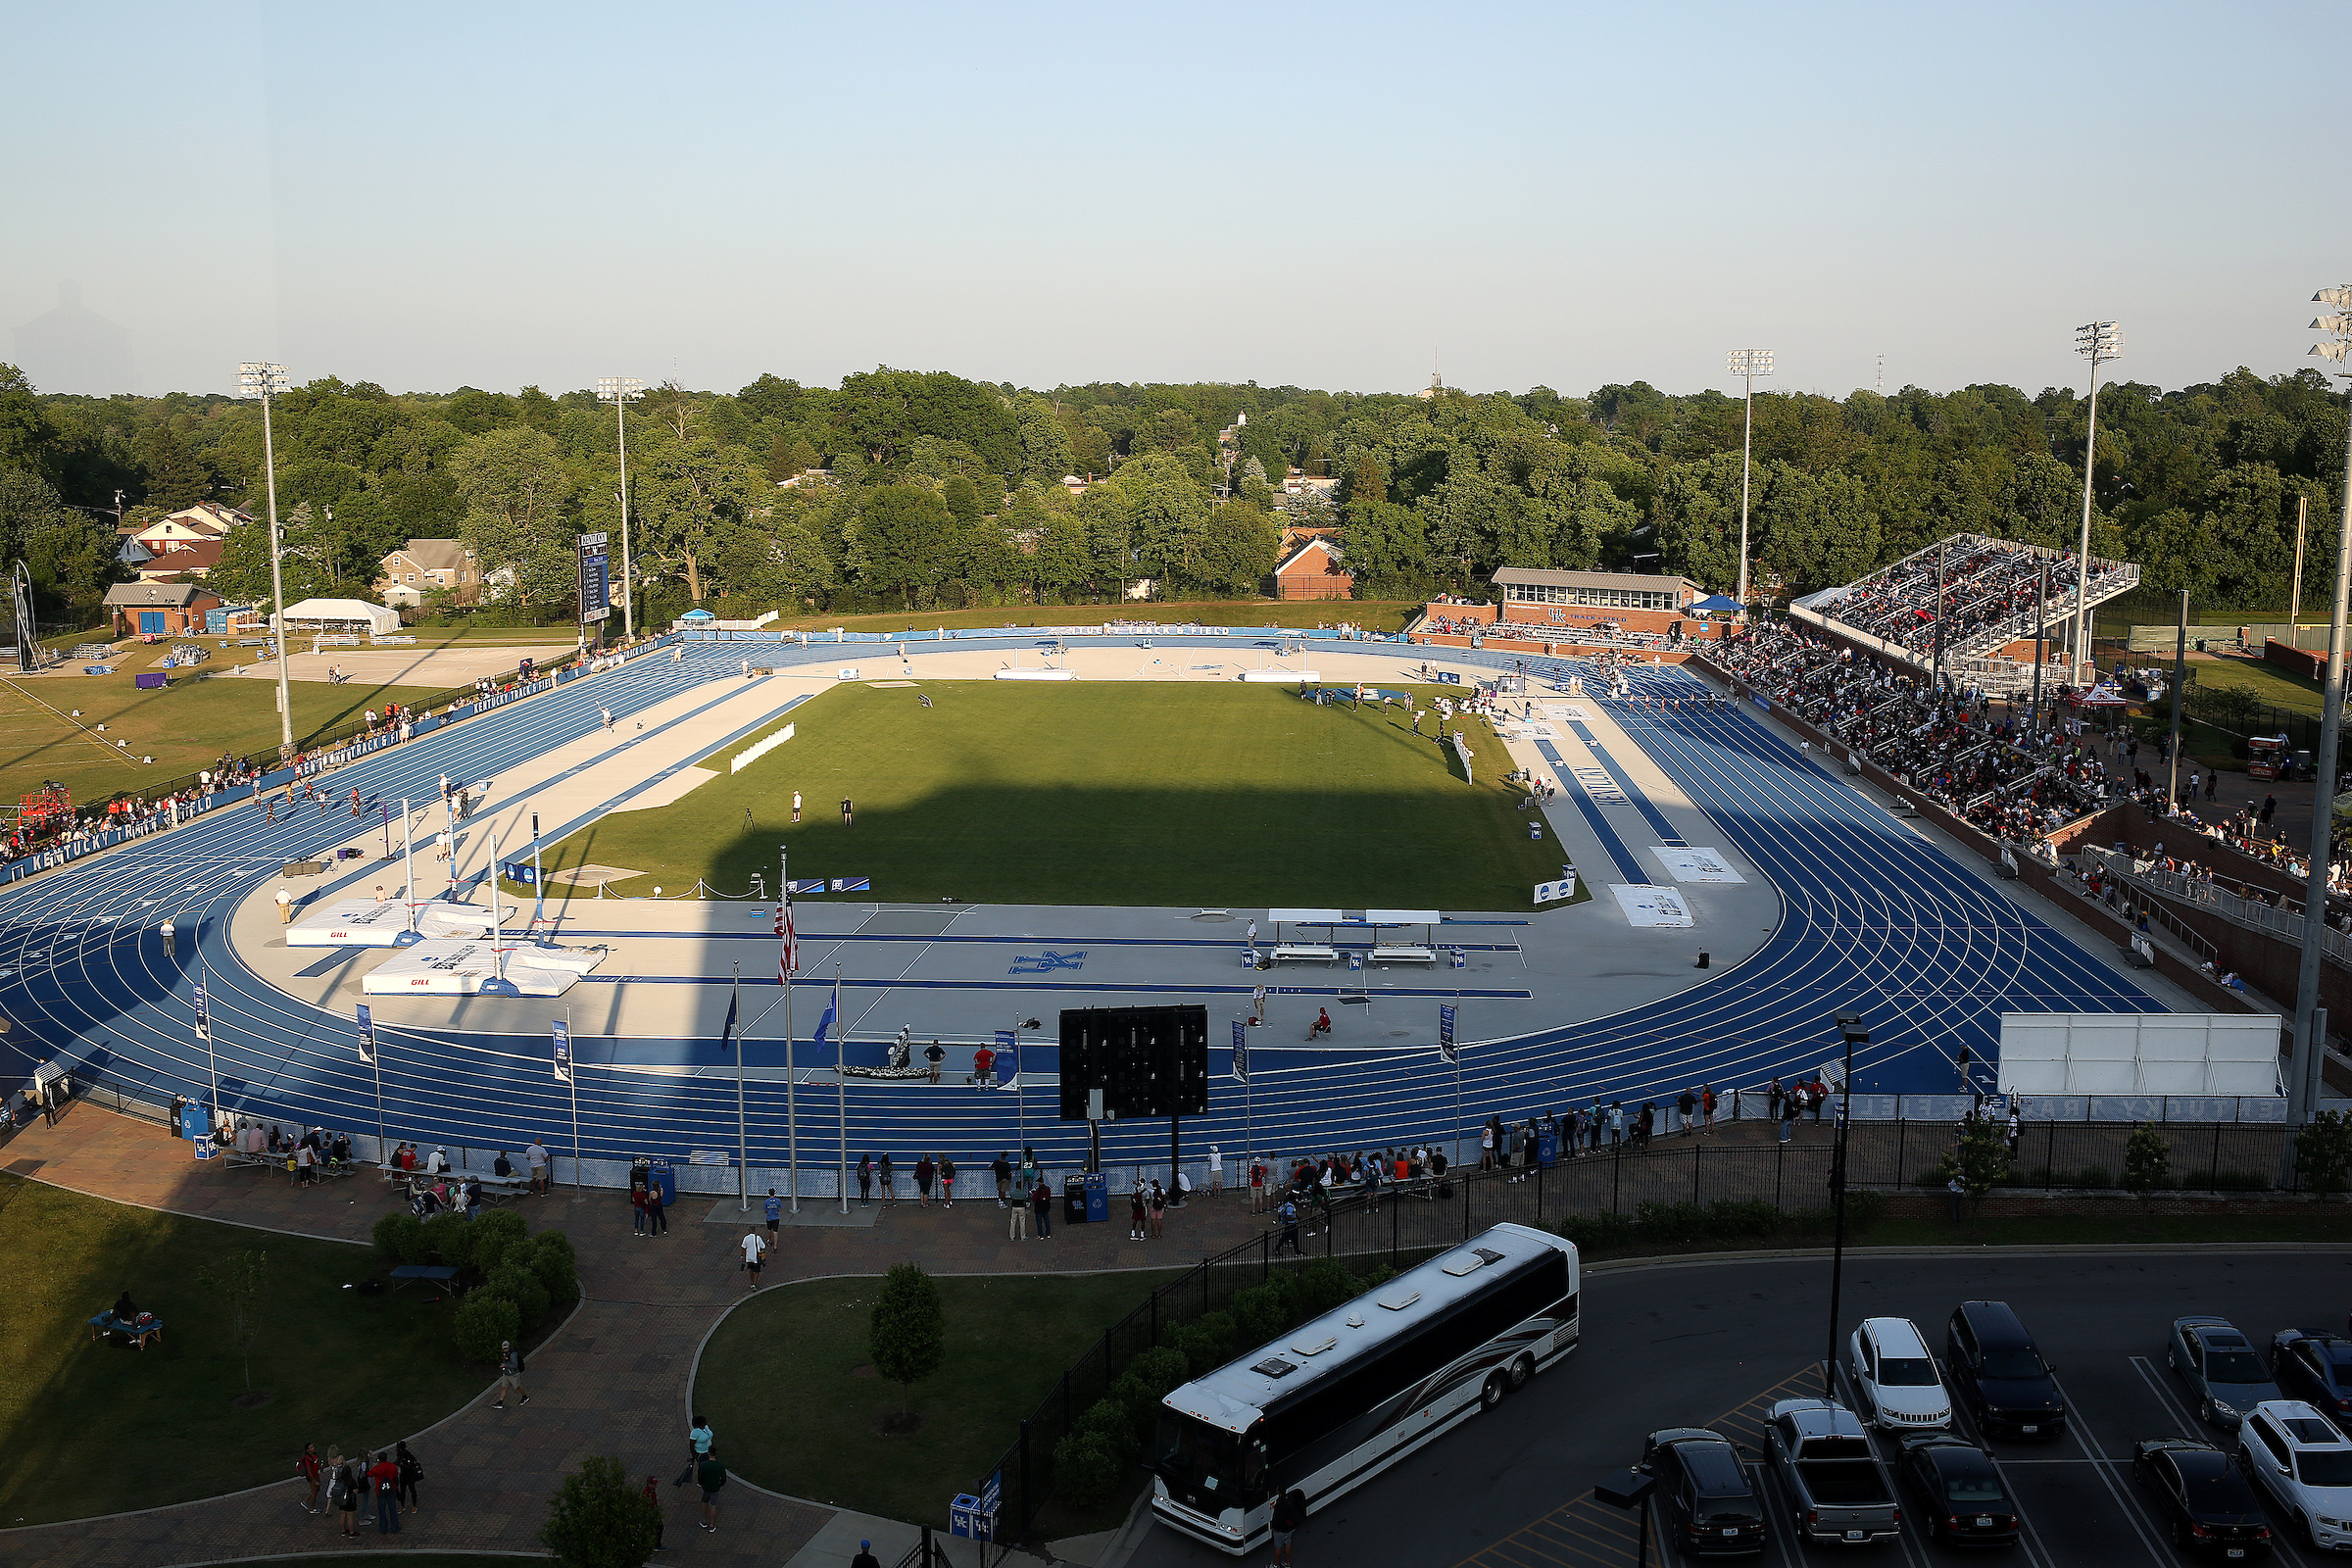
(330, 1364)
(787, 1382)
(184, 726)
(1119, 793)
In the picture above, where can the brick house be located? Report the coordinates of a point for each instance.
(1562, 601)
(1312, 571)
(158, 609)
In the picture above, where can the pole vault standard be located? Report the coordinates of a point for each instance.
(408, 855)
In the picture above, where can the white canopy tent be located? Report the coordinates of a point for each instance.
(340, 615)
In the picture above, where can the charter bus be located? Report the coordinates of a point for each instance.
(1339, 1398)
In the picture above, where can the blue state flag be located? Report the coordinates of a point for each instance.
(826, 1024)
(726, 1034)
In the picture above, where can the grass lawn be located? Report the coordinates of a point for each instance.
(337, 1366)
(1374, 615)
(781, 1386)
(1121, 793)
(2267, 682)
(184, 726)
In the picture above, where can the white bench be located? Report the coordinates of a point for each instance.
(1305, 953)
(1404, 954)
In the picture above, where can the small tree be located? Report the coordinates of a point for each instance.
(597, 1520)
(2323, 1151)
(907, 1335)
(237, 1280)
(2147, 1160)
(1980, 1158)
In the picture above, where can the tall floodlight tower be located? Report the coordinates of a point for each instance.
(2099, 342)
(265, 381)
(621, 391)
(1747, 365)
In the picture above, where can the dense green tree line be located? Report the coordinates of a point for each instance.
(944, 492)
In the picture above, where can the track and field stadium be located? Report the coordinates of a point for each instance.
(993, 850)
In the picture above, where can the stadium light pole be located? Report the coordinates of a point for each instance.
(264, 381)
(621, 391)
(1747, 365)
(1855, 1033)
(2309, 1019)
(2099, 342)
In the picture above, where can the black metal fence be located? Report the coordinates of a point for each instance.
(1404, 1225)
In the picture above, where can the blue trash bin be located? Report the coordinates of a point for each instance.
(1098, 1197)
(665, 1177)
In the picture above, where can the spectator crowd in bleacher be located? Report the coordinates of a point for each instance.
(1988, 596)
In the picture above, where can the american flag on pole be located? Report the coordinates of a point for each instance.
(788, 962)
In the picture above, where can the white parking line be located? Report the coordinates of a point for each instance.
(2187, 1425)
(2150, 1536)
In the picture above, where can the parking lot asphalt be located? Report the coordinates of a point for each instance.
(1715, 1343)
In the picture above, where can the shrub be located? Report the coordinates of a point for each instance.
(399, 1238)
(1670, 1222)
(482, 1321)
(1090, 1466)
(1207, 1343)
(1261, 1313)
(552, 1259)
(1864, 1208)
(450, 1237)
(495, 1232)
(2147, 1160)
(1323, 1285)
(1109, 1419)
(519, 1284)
(2094, 1176)
(1596, 1233)
(598, 1518)
(2324, 1153)
(908, 1333)
(1160, 1369)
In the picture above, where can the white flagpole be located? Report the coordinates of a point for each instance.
(792, 1126)
(449, 816)
(840, 1073)
(743, 1137)
(571, 1079)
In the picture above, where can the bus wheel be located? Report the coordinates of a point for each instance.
(1492, 1394)
(1521, 1370)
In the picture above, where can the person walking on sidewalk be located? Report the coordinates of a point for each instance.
(510, 1374)
(947, 1181)
(1041, 1203)
(1002, 1169)
(888, 1172)
(711, 1475)
(657, 1215)
(754, 1249)
(347, 1483)
(637, 1207)
(866, 1180)
(774, 1211)
(865, 1557)
(1288, 1215)
(698, 1438)
(1017, 1229)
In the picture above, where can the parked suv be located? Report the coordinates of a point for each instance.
(2315, 1368)
(2298, 1456)
(1895, 1382)
(1712, 1505)
(1997, 1371)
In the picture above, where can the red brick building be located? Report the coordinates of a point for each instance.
(1558, 603)
(158, 609)
(1314, 572)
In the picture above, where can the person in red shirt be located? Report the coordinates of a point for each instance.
(983, 1065)
(311, 1470)
(653, 1500)
(383, 1479)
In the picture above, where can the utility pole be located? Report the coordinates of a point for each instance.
(2309, 1017)
(2099, 342)
(264, 381)
(1747, 365)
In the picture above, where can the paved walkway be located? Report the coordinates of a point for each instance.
(612, 1380)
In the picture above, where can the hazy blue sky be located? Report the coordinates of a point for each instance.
(430, 195)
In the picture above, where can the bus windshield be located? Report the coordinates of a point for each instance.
(1193, 1455)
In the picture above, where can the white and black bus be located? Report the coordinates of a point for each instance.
(1336, 1401)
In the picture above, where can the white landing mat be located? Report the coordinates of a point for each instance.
(1650, 905)
(1696, 865)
